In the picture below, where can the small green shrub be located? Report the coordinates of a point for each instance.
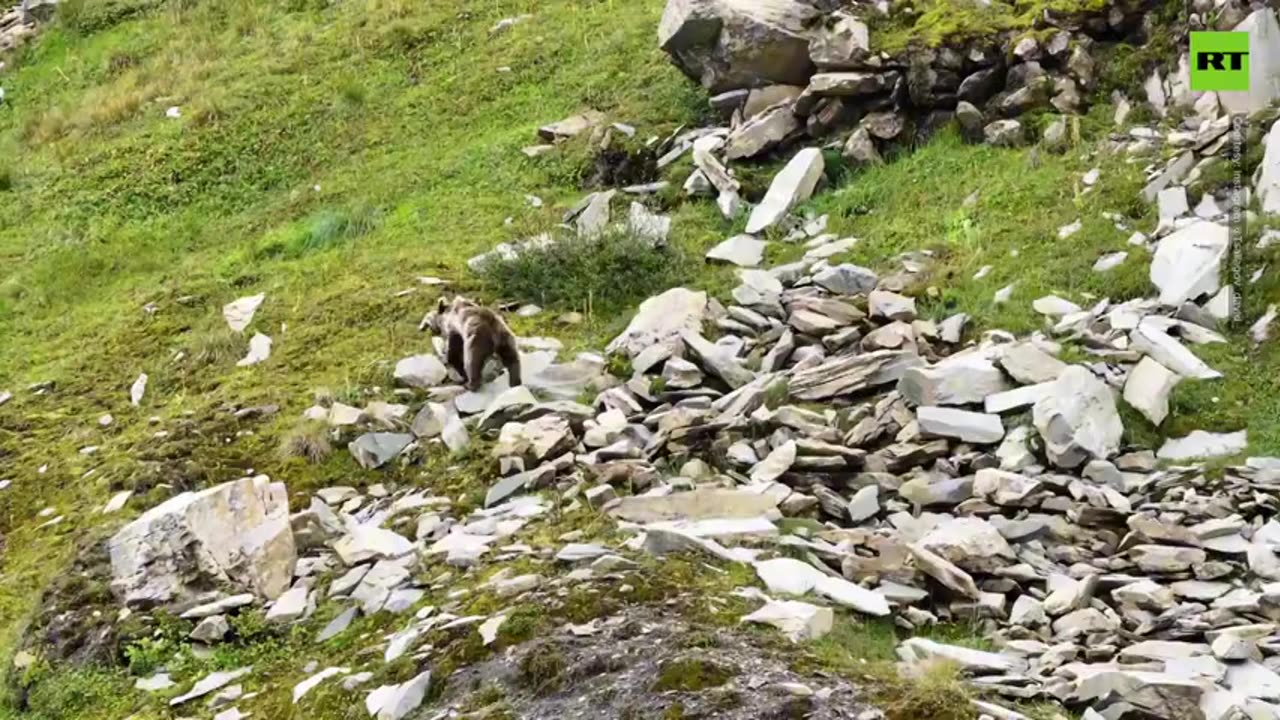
(601, 274)
(148, 654)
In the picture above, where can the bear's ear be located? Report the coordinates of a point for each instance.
(443, 304)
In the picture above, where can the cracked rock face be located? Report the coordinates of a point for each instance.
(235, 534)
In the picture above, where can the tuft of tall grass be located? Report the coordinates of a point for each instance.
(323, 231)
(309, 441)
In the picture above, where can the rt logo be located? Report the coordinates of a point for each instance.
(1219, 61)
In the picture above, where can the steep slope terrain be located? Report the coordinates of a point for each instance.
(160, 160)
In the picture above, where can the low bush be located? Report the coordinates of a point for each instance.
(599, 274)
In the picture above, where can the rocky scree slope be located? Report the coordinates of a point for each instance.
(958, 475)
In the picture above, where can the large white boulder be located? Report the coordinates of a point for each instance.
(234, 536)
(1269, 181)
(660, 320)
(1264, 64)
(793, 185)
(731, 44)
(1077, 418)
(1187, 264)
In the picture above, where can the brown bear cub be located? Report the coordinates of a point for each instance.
(474, 334)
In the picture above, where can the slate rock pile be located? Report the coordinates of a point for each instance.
(787, 71)
(19, 23)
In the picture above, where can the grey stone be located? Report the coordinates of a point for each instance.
(948, 491)
(978, 662)
(944, 571)
(373, 450)
(850, 374)
(1028, 612)
(420, 371)
(1187, 264)
(762, 98)
(1165, 558)
(860, 150)
(1148, 338)
(259, 351)
(239, 313)
(536, 440)
(960, 424)
(211, 629)
(396, 702)
(1147, 389)
(1156, 694)
(885, 124)
(841, 43)
(735, 44)
(681, 374)
(290, 606)
(1030, 365)
(1082, 622)
(740, 250)
(1201, 445)
(571, 126)
(716, 361)
(972, 544)
(884, 304)
(370, 542)
(219, 606)
(762, 132)
(236, 534)
(661, 320)
(865, 504)
(430, 421)
(1264, 64)
(211, 682)
(700, 504)
(846, 279)
(798, 621)
(1016, 399)
(649, 225)
(971, 120)
(1175, 172)
(951, 330)
(338, 624)
(1054, 306)
(847, 84)
(1003, 487)
(793, 185)
(778, 462)
(958, 380)
(1004, 133)
(599, 496)
(1077, 419)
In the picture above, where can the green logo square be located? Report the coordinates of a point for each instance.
(1219, 61)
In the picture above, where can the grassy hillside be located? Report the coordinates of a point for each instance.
(328, 155)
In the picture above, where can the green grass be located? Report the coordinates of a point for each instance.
(329, 154)
(931, 23)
